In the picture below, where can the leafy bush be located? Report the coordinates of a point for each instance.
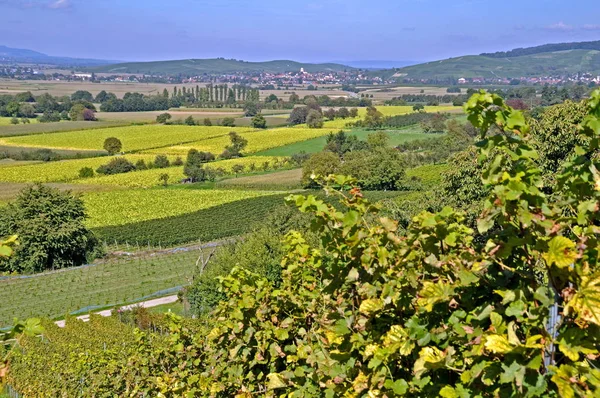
(116, 166)
(86, 172)
(51, 230)
(228, 122)
(163, 118)
(161, 161)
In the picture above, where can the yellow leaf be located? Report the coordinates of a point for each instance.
(498, 344)
(586, 302)
(370, 306)
(275, 381)
(560, 252)
(433, 293)
(429, 358)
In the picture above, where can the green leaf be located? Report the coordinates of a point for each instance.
(498, 344)
(560, 252)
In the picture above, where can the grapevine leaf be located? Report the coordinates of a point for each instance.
(560, 252)
(586, 302)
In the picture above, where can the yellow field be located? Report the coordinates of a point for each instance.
(130, 206)
(149, 178)
(5, 121)
(134, 138)
(61, 171)
(257, 140)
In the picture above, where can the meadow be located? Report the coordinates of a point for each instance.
(41, 128)
(134, 138)
(5, 121)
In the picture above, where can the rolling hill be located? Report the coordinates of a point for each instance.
(549, 59)
(10, 55)
(192, 67)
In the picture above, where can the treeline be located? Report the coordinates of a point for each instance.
(518, 52)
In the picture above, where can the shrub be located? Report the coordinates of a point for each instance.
(51, 231)
(112, 145)
(234, 150)
(190, 121)
(163, 118)
(141, 165)
(259, 122)
(228, 122)
(161, 161)
(86, 172)
(116, 166)
(207, 122)
(178, 161)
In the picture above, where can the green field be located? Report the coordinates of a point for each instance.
(314, 145)
(5, 121)
(134, 138)
(115, 282)
(279, 180)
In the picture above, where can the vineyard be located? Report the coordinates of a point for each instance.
(150, 178)
(130, 206)
(117, 281)
(257, 140)
(134, 138)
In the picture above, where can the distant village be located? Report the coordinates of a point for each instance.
(287, 79)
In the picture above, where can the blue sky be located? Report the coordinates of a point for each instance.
(311, 31)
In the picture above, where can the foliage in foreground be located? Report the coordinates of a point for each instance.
(370, 313)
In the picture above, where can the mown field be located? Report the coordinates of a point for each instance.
(40, 128)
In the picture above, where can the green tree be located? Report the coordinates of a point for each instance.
(190, 121)
(237, 169)
(51, 229)
(373, 118)
(117, 165)
(86, 172)
(76, 112)
(228, 122)
(259, 122)
(314, 119)
(163, 118)
(161, 162)
(112, 145)
(320, 164)
(236, 146)
(164, 179)
(207, 122)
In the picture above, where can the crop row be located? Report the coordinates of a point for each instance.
(150, 178)
(61, 171)
(129, 206)
(119, 281)
(223, 221)
(134, 138)
(257, 140)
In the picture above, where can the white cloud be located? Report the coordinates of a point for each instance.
(560, 26)
(52, 4)
(591, 27)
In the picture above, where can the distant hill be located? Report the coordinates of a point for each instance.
(10, 55)
(376, 64)
(549, 59)
(191, 67)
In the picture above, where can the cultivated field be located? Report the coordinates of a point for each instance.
(130, 206)
(134, 138)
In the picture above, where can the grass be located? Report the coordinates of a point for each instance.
(175, 308)
(5, 121)
(41, 128)
(134, 138)
(64, 153)
(116, 282)
(314, 145)
(131, 206)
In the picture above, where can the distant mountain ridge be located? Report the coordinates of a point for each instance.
(191, 67)
(10, 55)
(562, 59)
(544, 48)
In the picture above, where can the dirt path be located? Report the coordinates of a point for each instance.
(145, 304)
